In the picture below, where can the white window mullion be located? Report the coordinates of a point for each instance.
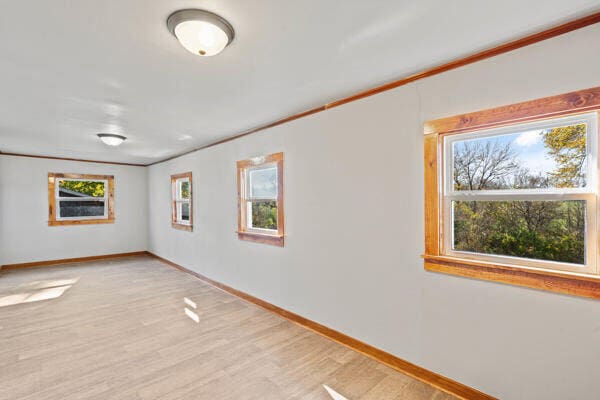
(591, 245)
(58, 199)
(180, 201)
(179, 210)
(489, 196)
(587, 193)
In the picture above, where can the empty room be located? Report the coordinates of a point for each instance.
(318, 199)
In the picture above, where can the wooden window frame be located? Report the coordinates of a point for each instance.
(436, 259)
(53, 219)
(243, 232)
(175, 223)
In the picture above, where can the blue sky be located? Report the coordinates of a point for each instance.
(529, 146)
(263, 182)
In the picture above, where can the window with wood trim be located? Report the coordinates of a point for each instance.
(511, 194)
(181, 201)
(76, 199)
(260, 199)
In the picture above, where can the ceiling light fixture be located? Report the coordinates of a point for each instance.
(111, 139)
(200, 32)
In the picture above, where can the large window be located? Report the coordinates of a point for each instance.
(260, 189)
(181, 204)
(80, 199)
(513, 201)
(523, 194)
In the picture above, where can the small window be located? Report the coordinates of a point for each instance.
(80, 199)
(181, 209)
(513, 201)
(260, 188)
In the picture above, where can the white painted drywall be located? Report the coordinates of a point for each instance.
(354, 226)
(24, 232)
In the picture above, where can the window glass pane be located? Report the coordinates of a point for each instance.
(74, 188)
(81, 208)
(184, 190)
(185, 211)
(544, 230)
(542, 158)
(263, 182)
(263, 215)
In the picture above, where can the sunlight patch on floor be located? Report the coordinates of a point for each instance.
(190, 313)
(189, 302)
(38, 291)
(334, 395)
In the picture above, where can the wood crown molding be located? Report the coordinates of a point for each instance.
(47, 263)
(436, 380)
(558, 30)
(72, 159)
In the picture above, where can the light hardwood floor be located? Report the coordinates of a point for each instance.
(119, 329)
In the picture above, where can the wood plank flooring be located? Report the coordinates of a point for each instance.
(135, 328)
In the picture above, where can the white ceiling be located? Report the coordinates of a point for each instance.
(71, 69)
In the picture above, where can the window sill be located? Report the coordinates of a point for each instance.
(275, 240)
(553, 281)
(182, 227)
(81, 222)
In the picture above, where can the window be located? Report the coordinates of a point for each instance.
(260, 202)
(512, 201)
(76, 199)
(181, 208)
(523, 191)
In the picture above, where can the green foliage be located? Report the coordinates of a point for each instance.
(567, 145)
(89, 188)
(185, 190)
(264, 215)
(545, 230)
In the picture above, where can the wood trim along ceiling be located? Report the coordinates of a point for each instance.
(461, 62)
(71, 260)
(436, 380)
(558, 30)
(72, 159)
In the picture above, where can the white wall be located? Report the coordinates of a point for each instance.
(24, 232)
(354, 225)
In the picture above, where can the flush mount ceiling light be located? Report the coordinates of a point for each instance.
(200, 32)
(111, 139)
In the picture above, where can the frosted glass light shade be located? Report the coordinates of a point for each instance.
(200, 32)
(111, 139)
(201, 38)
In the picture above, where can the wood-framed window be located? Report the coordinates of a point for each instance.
(260, 199)
(512, 194)
(78, 199)
(182, 212)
